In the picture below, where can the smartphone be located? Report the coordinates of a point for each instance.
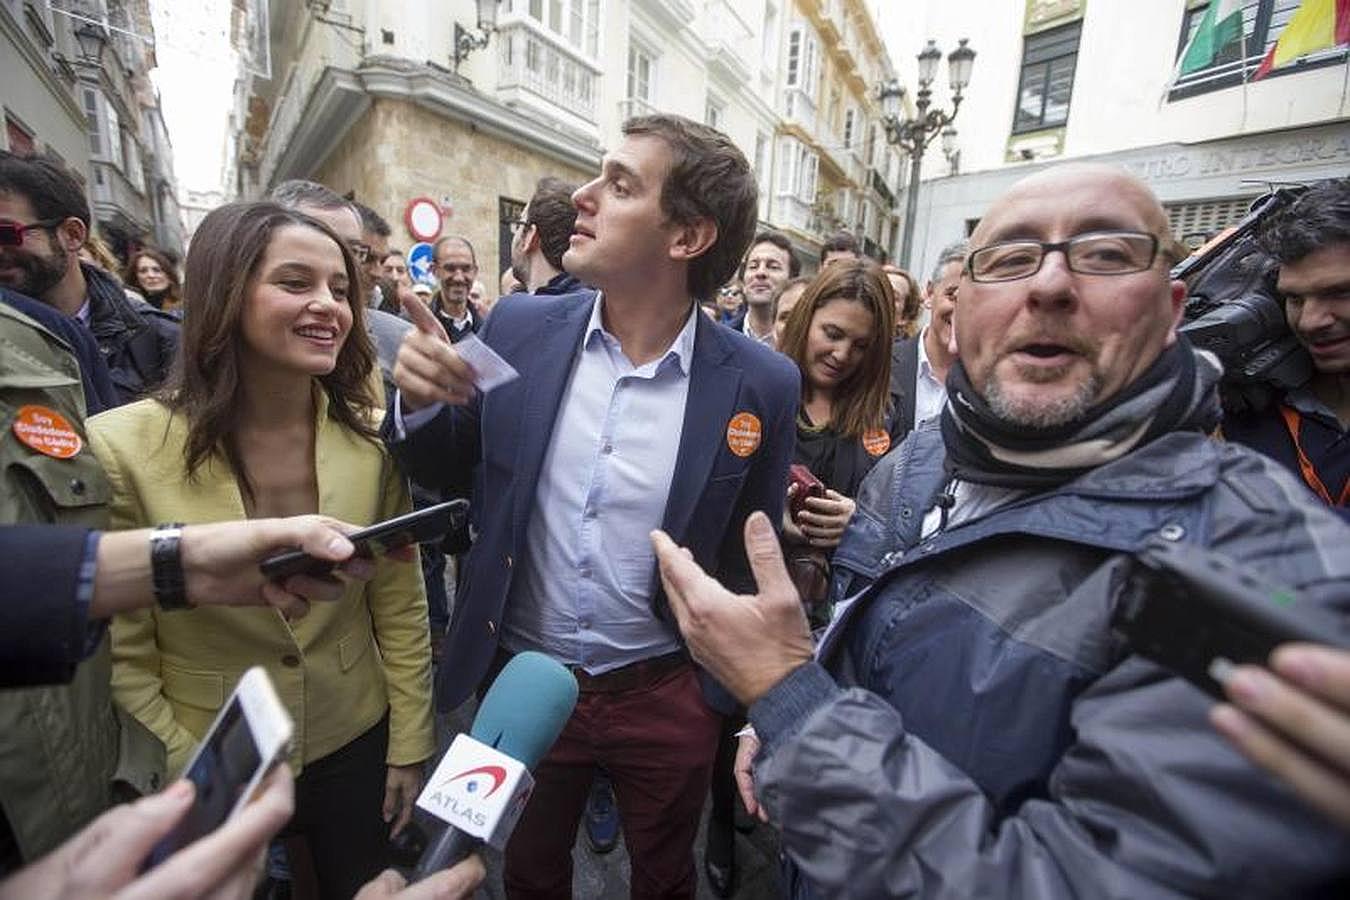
(251, 735)
(1186, 607)
(808, 485)
(420, 526)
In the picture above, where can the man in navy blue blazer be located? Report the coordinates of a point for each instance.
(632, 412)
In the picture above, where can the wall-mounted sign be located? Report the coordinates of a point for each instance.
(423, 218)
(420, 262)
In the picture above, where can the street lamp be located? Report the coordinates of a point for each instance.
(950, 149)
(92, 39)
(465, 42)
(912, 135)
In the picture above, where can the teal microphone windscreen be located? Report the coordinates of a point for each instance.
(526, 708)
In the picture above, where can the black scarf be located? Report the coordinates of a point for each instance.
(1176, 393)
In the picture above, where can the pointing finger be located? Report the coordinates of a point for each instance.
(423, 318)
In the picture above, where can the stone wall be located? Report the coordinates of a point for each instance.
(398, 151)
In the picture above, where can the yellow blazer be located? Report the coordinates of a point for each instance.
(337, 669)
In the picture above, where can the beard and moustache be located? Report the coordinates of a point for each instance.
(38, 274)
(1037, 412)
(992, 438)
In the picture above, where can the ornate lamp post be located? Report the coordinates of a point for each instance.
(912, 135)
(466, 42)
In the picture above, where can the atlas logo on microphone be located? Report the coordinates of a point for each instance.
(479, 776)
(477, 789)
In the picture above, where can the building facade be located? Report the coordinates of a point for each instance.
(833, 168)
(1059, 80)
(77, 85)
(369, 98)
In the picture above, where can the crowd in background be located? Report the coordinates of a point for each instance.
(291, 365)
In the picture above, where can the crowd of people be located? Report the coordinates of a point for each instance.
(845, 548)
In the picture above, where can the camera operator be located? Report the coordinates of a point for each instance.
(1306, 429)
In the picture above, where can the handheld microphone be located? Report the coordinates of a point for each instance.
(481, 785)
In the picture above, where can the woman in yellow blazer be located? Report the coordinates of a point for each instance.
(269, 413)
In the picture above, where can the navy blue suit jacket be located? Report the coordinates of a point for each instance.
(506, 434)
(42, 628)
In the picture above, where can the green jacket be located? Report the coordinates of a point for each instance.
(66, 753)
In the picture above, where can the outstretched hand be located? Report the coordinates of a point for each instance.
(747, 642)
(428, 369)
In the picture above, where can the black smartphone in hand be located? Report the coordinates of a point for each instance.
(421, 526)
(1187, 608)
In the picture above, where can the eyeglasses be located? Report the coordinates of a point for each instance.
(359, 250)
(513, 223)
(1098, 253)
(12, 233)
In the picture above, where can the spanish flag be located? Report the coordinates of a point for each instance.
(1315, 25)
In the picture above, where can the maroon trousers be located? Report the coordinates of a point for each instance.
(657, 741)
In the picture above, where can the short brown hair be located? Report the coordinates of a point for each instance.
(709, 178)
(553, 215)
(222, 265)
(862, 401)
(779, 240)
(839, 242)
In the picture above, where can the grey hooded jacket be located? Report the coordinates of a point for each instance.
(975, 728)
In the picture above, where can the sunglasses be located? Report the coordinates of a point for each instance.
(13, 233)
(359, 250)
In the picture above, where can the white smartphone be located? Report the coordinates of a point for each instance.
(251, 734)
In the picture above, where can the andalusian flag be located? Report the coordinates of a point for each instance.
(1220, 26)
(1315, 25)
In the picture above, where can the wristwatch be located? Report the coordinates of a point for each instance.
(166, 566)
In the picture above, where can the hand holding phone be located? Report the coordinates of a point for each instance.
(807, 485)
(250, 736)
(418, 527)
(1192, 610)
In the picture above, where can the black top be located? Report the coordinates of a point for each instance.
(841, 463)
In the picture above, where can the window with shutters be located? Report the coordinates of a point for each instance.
(794, 58)
(20, 139)
(1197, 221)
(94, 121)
(115, 138)
(1043, 92)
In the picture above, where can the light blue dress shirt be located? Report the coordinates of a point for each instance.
(582, 592)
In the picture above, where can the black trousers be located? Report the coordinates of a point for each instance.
(339, 802)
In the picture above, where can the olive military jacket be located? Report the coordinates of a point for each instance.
(66, 753)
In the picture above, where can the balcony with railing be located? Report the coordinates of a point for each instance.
(848, 46)
(635, 106)
(322, 48)
(730, 42)
(674, 14)
(831, 15)
(115, 197)
(534, 66)
(285, 118)
(793, 212)
(799, 109)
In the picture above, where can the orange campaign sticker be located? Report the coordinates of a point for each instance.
(743, 433)
(46, 431)
(876, 441)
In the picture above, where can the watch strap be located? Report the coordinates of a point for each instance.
(166, 566)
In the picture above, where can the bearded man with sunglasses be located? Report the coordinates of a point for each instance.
(44, 221)
(970, 723)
